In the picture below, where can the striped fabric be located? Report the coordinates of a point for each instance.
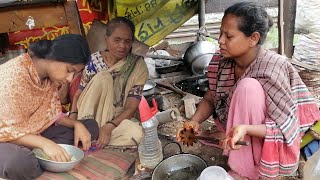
(104, 164)
(291, 107)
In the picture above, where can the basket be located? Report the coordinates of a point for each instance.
(310, 75)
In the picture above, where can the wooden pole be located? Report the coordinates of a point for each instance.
(286, 22)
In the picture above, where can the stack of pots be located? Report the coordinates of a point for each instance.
(198, 56)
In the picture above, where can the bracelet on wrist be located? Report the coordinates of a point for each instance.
(110, 122)
(73, 112)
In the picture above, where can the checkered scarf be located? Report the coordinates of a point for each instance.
(290, 106)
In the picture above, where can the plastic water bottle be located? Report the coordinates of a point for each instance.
(150, 148)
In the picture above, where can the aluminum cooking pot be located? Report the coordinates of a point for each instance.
(180, 166)
(200, 64)
(198, 48)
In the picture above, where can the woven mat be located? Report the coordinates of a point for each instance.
(103, 164)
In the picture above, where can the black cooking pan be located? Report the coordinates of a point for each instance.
(172, 67)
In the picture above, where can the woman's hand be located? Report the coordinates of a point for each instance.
(236, 134)
(105, 134)
(73, 116)
(188, 125)
(55, 152)
(82, 134)
(50, 148)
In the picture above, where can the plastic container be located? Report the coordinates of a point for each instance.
(150, 148)
(214, 172)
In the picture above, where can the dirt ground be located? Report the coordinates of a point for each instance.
(212, 155)
(167, 132)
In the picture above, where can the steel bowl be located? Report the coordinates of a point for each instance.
(149, 85)
(53, 166)
(148, 88)
(197, 49)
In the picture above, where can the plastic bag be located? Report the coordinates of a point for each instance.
(311, 170)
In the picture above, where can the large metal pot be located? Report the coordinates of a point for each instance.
(200, 64)
(202, 51)
(179, 166)
(197, 49)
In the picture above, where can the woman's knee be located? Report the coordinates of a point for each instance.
(136, 132)
(250, 95)
(130, 129)
(20, 163)
(250, 86)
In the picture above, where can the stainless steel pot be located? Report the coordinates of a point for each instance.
(197, 49)
(200, 64)
(200, 51)
(179, 166)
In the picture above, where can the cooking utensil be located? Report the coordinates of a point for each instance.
(149, 85)
(188, 137)
(200, 63)
(203, 85)
(198, 48)
(179, 166)
(148, 88)
(153, 56)
(202, 49)
(173, 66)
(54, 166)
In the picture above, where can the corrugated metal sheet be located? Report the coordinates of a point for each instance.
(214, 6)
(187, 32)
